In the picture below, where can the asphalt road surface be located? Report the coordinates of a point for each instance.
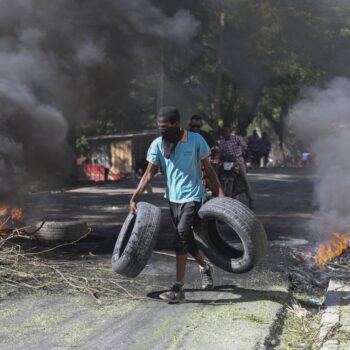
(282, 201)
(243, 311)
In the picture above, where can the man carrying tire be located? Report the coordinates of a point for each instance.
(180, 154)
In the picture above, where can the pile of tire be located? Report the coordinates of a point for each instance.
(139, 233)
(59, 230)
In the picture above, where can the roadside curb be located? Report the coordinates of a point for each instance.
(335, 322)
(330, 318)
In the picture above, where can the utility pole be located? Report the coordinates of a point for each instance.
(160, 87)
(218, 87)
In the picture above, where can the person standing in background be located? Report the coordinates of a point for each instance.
(253, 145)
(196, 124)
(264, 148)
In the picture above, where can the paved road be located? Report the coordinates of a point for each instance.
(242, 312)
(282, 201)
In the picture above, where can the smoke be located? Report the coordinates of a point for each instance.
(147, 19)
(89, 53)
(322, 121)
(49, 82)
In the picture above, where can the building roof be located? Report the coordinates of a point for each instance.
(126, 135)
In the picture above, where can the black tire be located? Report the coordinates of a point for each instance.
(242, 223)
(234, 186)
(238, 187)
(227, 187)
(60, 230)
(136, 240)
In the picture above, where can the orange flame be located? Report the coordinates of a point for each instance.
(16, 213)
(6, 216)
(4, 211)
(337, 244)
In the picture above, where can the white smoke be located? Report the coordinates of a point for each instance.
(89, 53)
(322, 120)
(148, 19)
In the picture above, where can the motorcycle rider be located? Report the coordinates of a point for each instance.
(234, 145)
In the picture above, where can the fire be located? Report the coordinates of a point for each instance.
(4, 211)
(16, 213)
(8, 217)
(337, 244)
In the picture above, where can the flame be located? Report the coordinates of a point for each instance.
(4, 211)
(337, 244)
(16, 213)
(8, 217)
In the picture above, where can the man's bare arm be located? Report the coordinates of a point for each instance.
(144, 182)
(213, 180)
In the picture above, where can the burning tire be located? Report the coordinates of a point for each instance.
(245, 243)
(60, 230)
(136, 240)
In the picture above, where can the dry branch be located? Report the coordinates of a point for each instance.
(30, 269)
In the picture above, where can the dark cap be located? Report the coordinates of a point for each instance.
(168, 114)
(196, 120)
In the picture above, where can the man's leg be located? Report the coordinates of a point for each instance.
(200, 259)
(184, 239)
(176, 294)
(180, 242)
(184, 217)
(206, 270)
(181, 261)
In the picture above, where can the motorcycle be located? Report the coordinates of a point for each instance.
(229, 174)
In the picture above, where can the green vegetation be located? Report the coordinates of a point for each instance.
(301, 325)
(247, 65)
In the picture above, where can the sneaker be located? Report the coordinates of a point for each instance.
(207, 277)
(175, 295)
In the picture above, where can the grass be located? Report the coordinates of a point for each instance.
(301, 325)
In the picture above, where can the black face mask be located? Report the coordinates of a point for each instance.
(171, 136)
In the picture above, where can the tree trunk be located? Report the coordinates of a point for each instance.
(282, 125)
(243, 124)
(279, 126)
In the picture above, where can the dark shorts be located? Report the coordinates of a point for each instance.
(185, 217)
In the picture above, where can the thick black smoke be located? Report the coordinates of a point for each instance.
(58, 60)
